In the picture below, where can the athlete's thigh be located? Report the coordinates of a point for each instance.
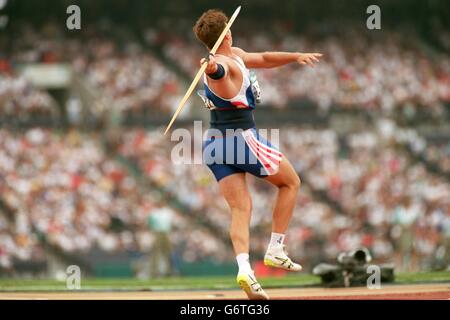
(235, 191)
(286, 175)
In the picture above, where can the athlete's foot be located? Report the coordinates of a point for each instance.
(250, 285)
(277, 257)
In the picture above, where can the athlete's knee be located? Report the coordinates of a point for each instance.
(296, 183)
(243, 205)
(293, 183)
(243, 208)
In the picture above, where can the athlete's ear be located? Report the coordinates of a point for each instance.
(229, 38)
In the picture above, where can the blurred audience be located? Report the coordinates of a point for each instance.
(356, 71)
(65, 187)
(362, 189)
(387, 200)
(130, 78)
(383, 73)
(20, 100)
(438, 153)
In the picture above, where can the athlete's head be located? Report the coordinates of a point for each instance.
(209, 26)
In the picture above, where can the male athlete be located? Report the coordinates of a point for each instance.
(231, 95)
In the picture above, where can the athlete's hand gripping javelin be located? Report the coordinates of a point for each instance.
(211, 66)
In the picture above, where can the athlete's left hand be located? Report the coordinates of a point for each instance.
(309, 58)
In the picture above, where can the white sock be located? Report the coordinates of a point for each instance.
(276, 240)
(243, 260)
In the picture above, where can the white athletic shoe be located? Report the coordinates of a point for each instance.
(250, 285)
(277, 257)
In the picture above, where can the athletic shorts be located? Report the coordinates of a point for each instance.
(241, 151)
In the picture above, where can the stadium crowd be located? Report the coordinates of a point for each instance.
(19, 99)
(129, 77)
(397, 202)
(133, 80)
(356, 71)
(16, 242)
(65, 187)
(389, 204)
(438, 153)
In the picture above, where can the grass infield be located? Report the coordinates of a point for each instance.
(196, 283)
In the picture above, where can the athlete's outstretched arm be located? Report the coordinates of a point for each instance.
(275, 59)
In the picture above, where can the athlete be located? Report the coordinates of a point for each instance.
(231, 94)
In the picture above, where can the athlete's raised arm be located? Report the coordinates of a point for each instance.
(275, 59)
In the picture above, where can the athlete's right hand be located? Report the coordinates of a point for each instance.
(212, 64)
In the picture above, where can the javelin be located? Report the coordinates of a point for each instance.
(202, 69)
